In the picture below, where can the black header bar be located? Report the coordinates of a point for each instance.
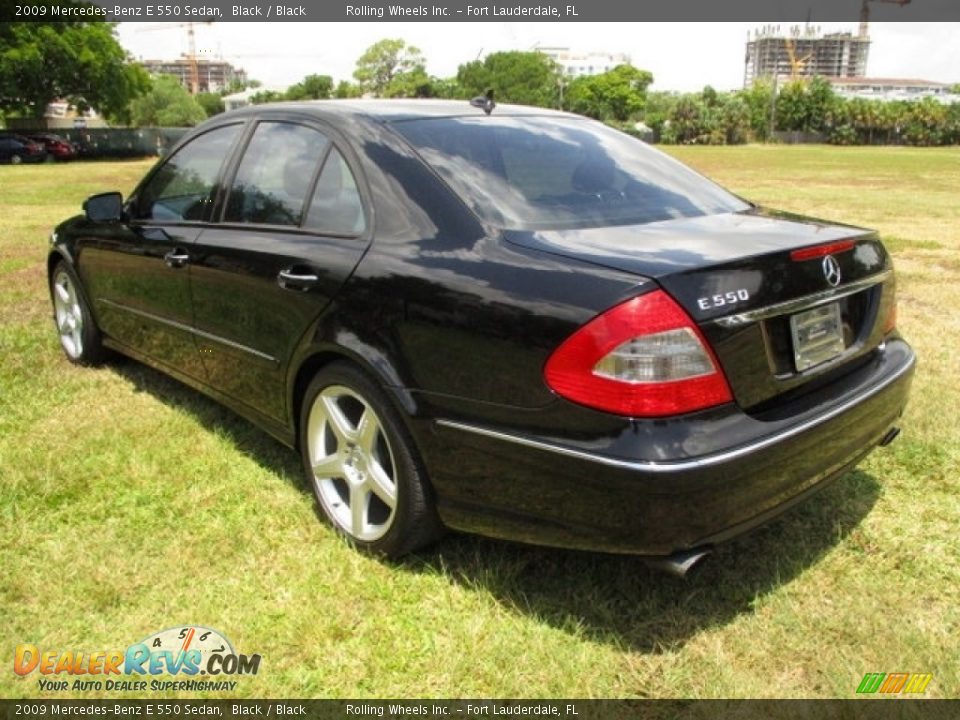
(776, 11)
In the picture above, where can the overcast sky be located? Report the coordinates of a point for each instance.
(681, 56)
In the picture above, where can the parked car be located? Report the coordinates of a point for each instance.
(522, 324)
(16, 149)
(57, 148)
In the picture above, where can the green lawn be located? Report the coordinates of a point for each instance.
(129, 504)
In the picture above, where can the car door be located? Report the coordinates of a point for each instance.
(138, 272)
(293, 228)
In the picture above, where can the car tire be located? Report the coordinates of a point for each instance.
(15, 159)
(362, 465)
(79, 335)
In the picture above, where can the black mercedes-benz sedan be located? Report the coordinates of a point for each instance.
(501, 320)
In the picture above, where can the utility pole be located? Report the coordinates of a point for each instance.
(773, 108)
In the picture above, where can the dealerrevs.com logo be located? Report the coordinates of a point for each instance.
(184, 658)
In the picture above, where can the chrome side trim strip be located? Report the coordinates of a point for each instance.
(683, 465)
(802, 303)
(188, 329)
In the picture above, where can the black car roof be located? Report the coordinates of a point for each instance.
(396, 110)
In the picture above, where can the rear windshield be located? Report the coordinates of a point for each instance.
(550, 173)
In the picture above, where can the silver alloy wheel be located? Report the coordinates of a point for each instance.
(354, 471)
(69, 314)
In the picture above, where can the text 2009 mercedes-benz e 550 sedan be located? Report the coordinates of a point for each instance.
(519, 323)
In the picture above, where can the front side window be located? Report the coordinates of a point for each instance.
(183, 188)
(543, 173)
(275, 174)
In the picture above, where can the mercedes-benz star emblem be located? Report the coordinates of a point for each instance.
(831, 270)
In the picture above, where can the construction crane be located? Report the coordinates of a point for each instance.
(191, 55)
(865, 12)
(797, 65)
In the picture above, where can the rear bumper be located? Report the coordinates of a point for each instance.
(545, 490)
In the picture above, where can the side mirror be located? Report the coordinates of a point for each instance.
(105, 207)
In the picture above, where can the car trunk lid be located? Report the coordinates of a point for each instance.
(776, 318)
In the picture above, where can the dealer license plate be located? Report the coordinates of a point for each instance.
(817, 335)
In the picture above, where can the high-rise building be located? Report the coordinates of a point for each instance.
(213, 75)
(803, 51)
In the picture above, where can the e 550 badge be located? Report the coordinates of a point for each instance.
(731, 297)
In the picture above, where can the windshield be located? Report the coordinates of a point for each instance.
(552, 173)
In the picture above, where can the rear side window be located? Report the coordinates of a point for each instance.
(183, 188)
(275, 174)
(336, 208)
(542, 173)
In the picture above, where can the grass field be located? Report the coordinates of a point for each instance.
(129, 504)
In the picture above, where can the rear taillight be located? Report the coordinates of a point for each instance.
(642, 358)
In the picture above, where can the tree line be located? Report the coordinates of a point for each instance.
(800, 106)
(392, 69)
(82, 63)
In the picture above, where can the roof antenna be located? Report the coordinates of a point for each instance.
(484, 101)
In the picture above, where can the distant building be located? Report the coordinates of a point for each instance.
(804, 52)
(60, 114)
(892, 89)
(213, 75)
(575, 64)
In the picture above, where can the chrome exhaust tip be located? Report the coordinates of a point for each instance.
(680, 563)
(890, 436)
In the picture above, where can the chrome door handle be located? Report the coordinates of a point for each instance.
(290, 280)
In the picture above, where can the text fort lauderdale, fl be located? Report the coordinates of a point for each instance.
(541, 11)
